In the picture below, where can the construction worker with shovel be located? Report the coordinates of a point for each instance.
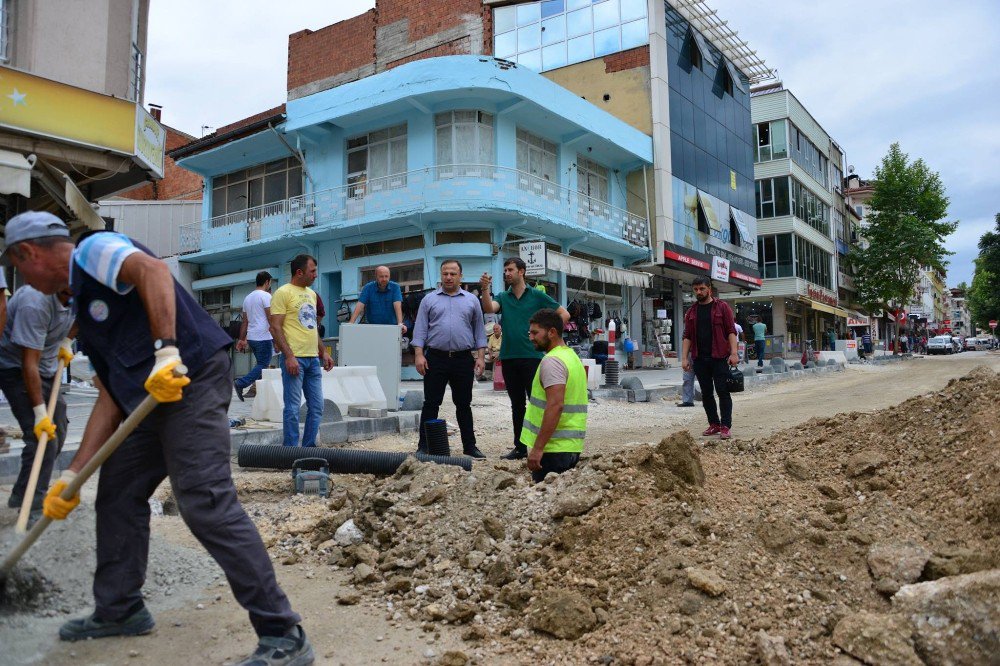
(134, 323)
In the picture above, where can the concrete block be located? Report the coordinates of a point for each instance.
(413, 400)
(357, 386)
(767, 370)
(367, 412)
(638, 395)
(631, 383)
(331, 413)
(749, 370)
(797, 374)
(840, 356)
(795, 366)
(778, 364)
(407, 422)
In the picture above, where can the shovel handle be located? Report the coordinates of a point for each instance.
(36, 464)
(123, 430)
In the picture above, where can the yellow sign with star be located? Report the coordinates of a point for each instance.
(43, 107)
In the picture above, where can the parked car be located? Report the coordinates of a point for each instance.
(940, 344)
(956, 342)
(972, 344)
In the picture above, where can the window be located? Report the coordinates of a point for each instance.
(771, 141)
(734, 230)
(378, 248)
(409, 276)
(536, 156)
(549, 34)
(774, 255)
(476, 236)
(5, 19)
(809, 208)
(695, 54)
(772, 197)
(464, 139)
(217, 303)
(810, 158)
(372, 160)
(256, 186)
(812, 264)
(591, 179)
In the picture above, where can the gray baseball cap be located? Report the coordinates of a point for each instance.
(31, 226)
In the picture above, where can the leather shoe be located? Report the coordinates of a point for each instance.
(517, 453)
(476, 453)
(239, 391)
(685, 404)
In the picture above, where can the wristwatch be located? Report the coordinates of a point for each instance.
(160, 343)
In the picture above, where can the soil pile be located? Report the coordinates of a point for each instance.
(683, 551)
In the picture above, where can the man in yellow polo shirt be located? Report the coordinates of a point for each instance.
(555, 422)
(295, 329)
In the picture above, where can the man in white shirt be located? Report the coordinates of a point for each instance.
(255, 332)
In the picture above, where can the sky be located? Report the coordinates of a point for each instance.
(870, 72)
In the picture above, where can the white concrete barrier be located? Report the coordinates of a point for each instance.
(595, 378)
(346, 387)
(838, 356)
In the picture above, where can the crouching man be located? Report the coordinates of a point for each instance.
(555, 422)
(135, 321)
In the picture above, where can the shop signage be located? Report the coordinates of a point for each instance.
(150, 141)
(720, 269)
(851, 344)
(684, 259)
(857, 321)
(822, 296)
(746, 278)
(533, 256)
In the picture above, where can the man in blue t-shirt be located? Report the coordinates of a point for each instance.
(381, 301)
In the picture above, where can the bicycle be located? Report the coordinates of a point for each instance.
(807, 352)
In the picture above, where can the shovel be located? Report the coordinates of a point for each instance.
(124, 429)
(36, 465)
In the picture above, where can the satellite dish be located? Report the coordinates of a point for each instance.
(850, 168)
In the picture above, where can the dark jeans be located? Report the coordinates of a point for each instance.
(457, 371)
(759, 347)
(187, 441)
(711, 374)
(12, 385)
(518, 374)
(556, 463)
(263, 350)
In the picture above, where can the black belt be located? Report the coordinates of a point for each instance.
(449, 354)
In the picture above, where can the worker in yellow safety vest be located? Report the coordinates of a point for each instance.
(555, 422)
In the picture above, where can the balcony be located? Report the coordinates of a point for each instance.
(464, 188)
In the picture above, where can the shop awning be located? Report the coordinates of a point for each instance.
(231, 279)
(15, 173)
(563, 263)
(832, 309)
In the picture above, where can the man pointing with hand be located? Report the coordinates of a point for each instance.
(134, 323)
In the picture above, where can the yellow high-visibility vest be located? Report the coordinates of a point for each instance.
(572, 426)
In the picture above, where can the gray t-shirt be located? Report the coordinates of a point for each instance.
(552, 371)
(35, 321)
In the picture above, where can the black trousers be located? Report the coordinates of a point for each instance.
(12, 385)
(518, 374)
(187, 441)
(711, 373)
(457, 371)
(556, 463)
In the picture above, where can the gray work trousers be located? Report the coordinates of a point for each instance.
(187, 441)
(12, 385)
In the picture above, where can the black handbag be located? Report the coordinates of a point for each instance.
(734, 380)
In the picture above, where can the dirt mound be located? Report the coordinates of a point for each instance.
(684, 551)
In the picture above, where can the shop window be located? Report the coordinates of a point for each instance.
(378, 248)
(475, 236)
(376, 161)
(409, 276)
(464, 144)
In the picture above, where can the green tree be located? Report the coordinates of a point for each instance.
(983, 296)
(904, 231)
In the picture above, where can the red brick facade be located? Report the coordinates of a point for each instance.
(335, 49)
(378, 40)
(619, 62)
(177, 183)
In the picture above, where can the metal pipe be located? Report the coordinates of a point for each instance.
(342, 461)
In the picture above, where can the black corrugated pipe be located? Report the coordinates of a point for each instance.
(342, 461)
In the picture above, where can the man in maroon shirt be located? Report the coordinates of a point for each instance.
(710, 338)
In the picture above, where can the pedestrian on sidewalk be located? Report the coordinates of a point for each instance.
(255, 332)
(759, 340)
(493, 344)
(555, 423)
(866, 342)
(34, 338)
(710, 339)
(380, 302)
(449, 342)
(294, 327)
(518, 357)
(133, 318)
(687, 386)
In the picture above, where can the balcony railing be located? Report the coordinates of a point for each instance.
(468, 187)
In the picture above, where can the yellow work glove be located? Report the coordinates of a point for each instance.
(162, 384)
(43, 423)
(55, 507)
(66, 351)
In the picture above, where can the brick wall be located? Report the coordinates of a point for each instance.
(177, 183)
(335, 49)
(619, 62)
(394, 33)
